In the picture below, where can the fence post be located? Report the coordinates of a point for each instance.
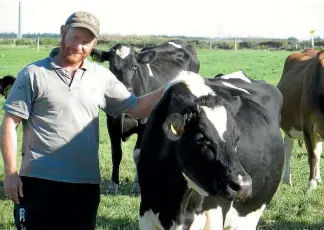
(235, 44)
(37, 44)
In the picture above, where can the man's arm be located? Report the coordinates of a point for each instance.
(146, 103)
(8, 146)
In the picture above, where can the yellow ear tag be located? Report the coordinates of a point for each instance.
(174, 130)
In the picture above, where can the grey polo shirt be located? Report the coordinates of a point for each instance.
(61, 118)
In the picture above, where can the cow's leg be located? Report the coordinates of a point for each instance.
(136, 188)
(317, 153)
(288, 145)
(214, 219)
(114, 129)
(234, 220)
(313, 151)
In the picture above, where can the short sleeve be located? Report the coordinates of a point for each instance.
(117, 99)
(20, 97)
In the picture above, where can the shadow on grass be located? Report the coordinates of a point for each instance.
(125, 189)
(2, 195)
(287, 225)
(7, 227)
(116, 224)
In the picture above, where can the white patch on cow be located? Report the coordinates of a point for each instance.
(194, 186)
(234, 220)
(194, 82)
(238, 75)
(150, 221)
(175, 45)
(234, 87)
(296, 134)
(317, 152)
(149, 69)
(214, 219)
(176, 227)
(199, 222)
(242, 182)
(123, 51)
(218, 117)
(288, 147)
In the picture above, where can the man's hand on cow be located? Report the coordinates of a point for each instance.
(13, 187)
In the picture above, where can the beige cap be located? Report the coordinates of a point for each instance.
(84, 20)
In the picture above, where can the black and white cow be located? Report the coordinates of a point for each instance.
(212, 154)
(141, 72)
(5, 84)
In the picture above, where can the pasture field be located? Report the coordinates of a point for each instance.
(292, 207)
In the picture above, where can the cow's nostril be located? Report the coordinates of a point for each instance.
(243, 187)
(245, 190)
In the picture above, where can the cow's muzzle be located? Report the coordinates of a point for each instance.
(240, 188)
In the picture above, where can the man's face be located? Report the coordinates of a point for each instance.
(77, 44)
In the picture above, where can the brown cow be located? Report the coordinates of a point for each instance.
(302, 115)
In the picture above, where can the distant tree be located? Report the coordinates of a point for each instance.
(292, 40)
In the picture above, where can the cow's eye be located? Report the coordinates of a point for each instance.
(199, 137)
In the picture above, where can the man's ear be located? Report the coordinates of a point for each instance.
(62, 30)
(145, 57)
(174, 126)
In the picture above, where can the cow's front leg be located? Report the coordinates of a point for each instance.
(314, 149)
(288, 146)
(114, 129)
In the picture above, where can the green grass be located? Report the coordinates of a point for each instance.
(292, 207)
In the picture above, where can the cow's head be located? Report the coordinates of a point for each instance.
(5, 85)
(123, 61)
(207, 148)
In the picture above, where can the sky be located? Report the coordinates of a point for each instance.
(203, 18)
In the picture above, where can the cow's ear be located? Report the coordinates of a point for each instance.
(174, 126)
(99, 55)
(146, 57)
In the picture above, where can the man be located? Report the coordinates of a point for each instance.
(57, 99)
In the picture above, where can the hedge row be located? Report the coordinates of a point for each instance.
(141, 42)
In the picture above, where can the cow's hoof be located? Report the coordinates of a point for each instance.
(112, 188)
(287, 179)
(136, 190)
(312, 185)
(319, 180)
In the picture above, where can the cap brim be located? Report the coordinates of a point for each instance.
(84, 25)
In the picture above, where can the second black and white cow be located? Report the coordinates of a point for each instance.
(141, 72)
(212, 154)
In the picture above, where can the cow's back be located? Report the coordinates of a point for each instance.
(171, 58)
(259, 91)
(291, 85)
